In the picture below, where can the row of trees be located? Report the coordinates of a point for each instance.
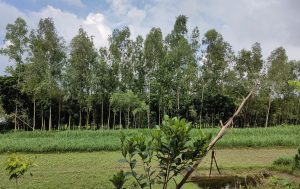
(137, 81)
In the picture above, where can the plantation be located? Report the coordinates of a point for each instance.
(109, 140)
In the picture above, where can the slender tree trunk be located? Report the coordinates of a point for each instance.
(16, 112)
(114, 122)
(159, 113)
(88, 117)
(149, 108)
(120, 122)
(50, 119)
(102, 114)
(108, 119)
(94, 119)
(42, 126)
(69, 121)
(59, 110)
(268, 111)
(201, 107)
(33, 127)
(177, 102)
(80, 116)
(128, 120)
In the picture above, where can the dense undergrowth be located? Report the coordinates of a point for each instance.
(108, 140)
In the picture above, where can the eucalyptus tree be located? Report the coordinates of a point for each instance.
(154, 52)
(217, 56)
(101, 80)
(120, 51)
(16, 40)
(83, 57)
(279, 73)
(48, 53)
(182, 61)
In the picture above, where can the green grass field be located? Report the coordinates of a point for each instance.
(94, 169)
(108, 140)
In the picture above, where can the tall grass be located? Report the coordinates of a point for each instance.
(108, 140)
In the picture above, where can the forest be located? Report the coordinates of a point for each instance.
(133, 82)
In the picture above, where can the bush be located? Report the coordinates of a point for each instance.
(296, 161)
(173, 147)
(283, 161)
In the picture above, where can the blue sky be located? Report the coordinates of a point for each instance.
(273, 23)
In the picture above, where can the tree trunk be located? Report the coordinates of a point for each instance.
(177, 102)
(102, 114)
(120, 122)
(128, 121)
(159, 113)
(114, 122)
(42, 126)
(59, 109)
(149, 108)
(16, 112)
(87, 117)
(220, 134)
(33, 128)
(268, 111)
(201, 107)
(69, 121)
(108, 119)
(80, 116)
(50, 119)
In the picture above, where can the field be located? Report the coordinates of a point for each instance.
(108, 140)
(88, 159)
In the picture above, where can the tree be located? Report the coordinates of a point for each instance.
(216, 60)
(279, 73)
(154, 53)
(17, 40)
(48, 52)
(83, 59)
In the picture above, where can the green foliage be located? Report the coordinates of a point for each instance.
(17, 166)
(286, 162)
(173, 146)
(296, 161)
(119, 180)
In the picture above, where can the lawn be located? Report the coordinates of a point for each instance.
(108, 140)
(93, 169)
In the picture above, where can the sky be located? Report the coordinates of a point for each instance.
(272, 23)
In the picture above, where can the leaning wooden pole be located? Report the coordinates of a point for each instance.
(217, 138)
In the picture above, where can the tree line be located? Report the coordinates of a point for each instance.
(133, 82)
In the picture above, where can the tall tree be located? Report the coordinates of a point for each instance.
(17, 40)
(83, 58)
(48, 52)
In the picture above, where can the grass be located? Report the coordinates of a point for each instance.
(69, 170)
(108, 140)
(94, 169)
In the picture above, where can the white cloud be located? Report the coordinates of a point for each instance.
(68, 24)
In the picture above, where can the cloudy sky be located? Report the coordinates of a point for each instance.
(273, 23)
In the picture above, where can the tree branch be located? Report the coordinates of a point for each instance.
(218, 137)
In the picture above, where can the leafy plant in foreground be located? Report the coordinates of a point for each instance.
(172, 146)
(17, 166)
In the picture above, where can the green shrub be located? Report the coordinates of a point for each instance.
(174, 149)
(296, 161)
(119, 180)
(283, 161)
(17, 166)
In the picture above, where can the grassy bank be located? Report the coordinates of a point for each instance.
(108, 140)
